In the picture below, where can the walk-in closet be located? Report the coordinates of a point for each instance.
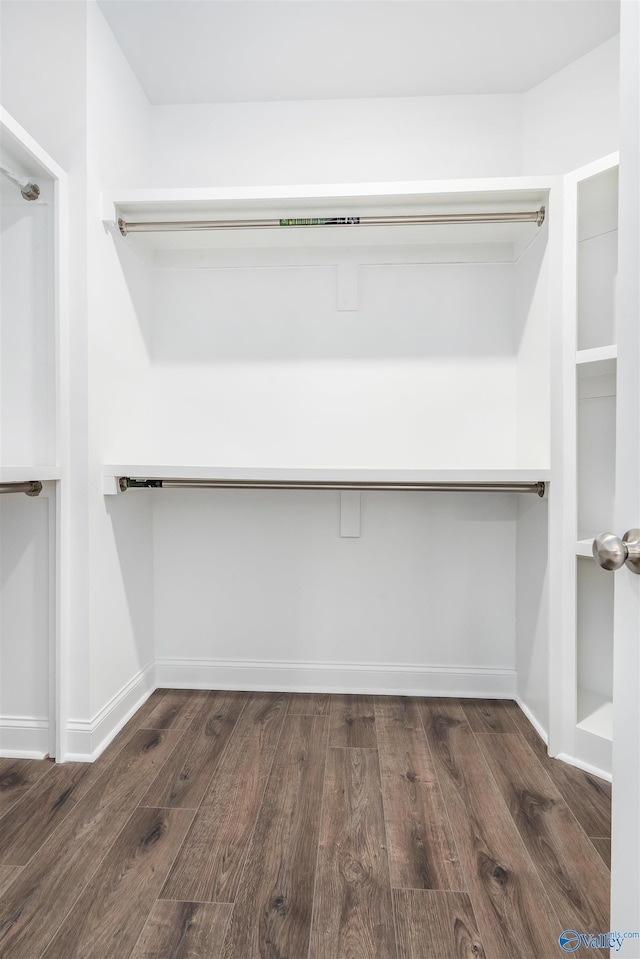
(319, 431)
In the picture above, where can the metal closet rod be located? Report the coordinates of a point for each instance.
(533, 216)
(29, 190)
(31, 488)
(135, 482)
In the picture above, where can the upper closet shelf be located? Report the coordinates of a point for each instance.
(25, 474)
(348, 204)
(112, 475)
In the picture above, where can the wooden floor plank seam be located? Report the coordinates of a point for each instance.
(94, 872)
(594, 914)
(98, 778)
(215, 765)
(56, 918)
(164, 879)
(273, 908)
(6, 766)
(100, 862)
(198, 874)
(550, 779)
(157, 899)
(524, 849)
(67, 913)
(257, 814)
(321, 814)
(449, 821)
(386, 844)
(442, 796)
(486, 890)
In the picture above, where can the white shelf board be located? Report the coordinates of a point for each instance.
(600, 361)
(25, 474)
(31, 158)
(595, 713)
(202, 199)
(584, 548)
(350, 199)
(182, 471)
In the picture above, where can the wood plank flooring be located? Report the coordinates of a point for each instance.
(222, 825)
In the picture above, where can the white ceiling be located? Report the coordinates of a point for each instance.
(201, 51)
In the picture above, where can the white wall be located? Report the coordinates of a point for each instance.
(336, 141)
(259, 588)
(257, 367)
(24, 624)
(573, 117)
(121, 608)
(42, 79)
(532, 306)
(563, 123)
(532, 608)
(27, 413)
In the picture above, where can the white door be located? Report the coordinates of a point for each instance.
(625, 874)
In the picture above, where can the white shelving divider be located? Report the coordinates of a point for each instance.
(582, 723)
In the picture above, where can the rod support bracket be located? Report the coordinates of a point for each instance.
(126, 482)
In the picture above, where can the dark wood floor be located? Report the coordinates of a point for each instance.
(223, 825)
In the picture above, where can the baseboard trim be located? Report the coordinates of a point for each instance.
(373, 678)
(542, 733)
(24, 737)
(87, 739)
(585, 767)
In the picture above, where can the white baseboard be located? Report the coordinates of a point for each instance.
(532, 719)
(24, 737)
(372, 678)
(87, 739)
(586, 767)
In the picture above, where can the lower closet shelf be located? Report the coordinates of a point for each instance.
(513, 480)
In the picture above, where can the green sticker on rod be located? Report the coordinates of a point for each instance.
(321, 221)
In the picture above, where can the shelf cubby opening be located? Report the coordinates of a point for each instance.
(597, 259)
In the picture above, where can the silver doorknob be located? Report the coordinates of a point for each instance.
(610, 552)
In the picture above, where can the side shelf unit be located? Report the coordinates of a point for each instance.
(591, 395)
(33, 443)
